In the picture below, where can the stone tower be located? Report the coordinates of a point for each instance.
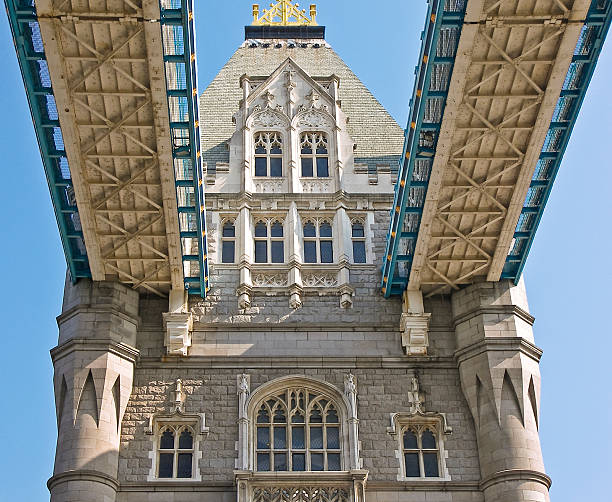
(295, 380)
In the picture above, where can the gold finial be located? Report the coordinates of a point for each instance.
(284, 13)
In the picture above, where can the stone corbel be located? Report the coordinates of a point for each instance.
(244, 294)
(295, 297)
(178, 327)
(414, 324)
(415, 333)
(346, 296)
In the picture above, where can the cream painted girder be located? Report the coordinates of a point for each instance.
(511, 62)
(106, 66)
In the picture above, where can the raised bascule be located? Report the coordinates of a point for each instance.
(342, 317)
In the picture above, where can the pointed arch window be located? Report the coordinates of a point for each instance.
(314, 155)
(298, 430)
(268, 154)
(175, 452)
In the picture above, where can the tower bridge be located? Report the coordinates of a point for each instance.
(496, 95)
(293, 371)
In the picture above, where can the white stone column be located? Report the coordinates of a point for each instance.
(294, 253)
(245, 259)
(500, 378)
(93, 374)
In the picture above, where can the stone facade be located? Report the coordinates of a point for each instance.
(125, 366)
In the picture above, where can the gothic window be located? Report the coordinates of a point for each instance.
(268, 154)
(175, 448)
(318, 243)
(269, 242)
(358, 238)
(297, 430)
(420, 452)
(228, 242)
(314, 155)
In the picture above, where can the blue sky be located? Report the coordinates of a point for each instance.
(567, 274)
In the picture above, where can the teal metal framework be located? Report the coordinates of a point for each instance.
(433, 75)
(178, 37)
(33, 64)
(564, 118)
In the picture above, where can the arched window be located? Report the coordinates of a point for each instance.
(175, 453)
(228, 242)
(268, 154)
(318, 243)
(314, 155)
(297, 429)
(420, 452)
(358, 238)
(269, 242)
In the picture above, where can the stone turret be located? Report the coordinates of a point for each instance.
(94, 368)
(500, 377)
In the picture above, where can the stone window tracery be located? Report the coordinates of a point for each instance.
(314, 155)
(175, 452)
(269, 241)
(228, 242)
(359, 241)
(268, 154)
(318, 241)
(298, 430)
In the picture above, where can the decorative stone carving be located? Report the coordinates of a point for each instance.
(313, 118)
(301, 493)
(320, 280)
(179, 396)
(244, 390)
(415, 397)
(178, 326)
(269, 186)
(350, 390)
(415, 329)
(268, 118)
(315, 186)
(346, 297)
(270, 280)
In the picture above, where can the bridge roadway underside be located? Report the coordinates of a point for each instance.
(106, 65)
(510, 65)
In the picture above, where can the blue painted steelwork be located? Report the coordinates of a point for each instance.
(178, 38)
(433, 75)
(33, 64)
(564, 118)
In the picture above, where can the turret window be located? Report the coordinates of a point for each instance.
(420, 452)
(228, 242)
(318, 243)
(314, 155)
(175, 453)
(268, 154)
(269, 242)
(358, 238)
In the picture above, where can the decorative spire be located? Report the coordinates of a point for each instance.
(284, 13)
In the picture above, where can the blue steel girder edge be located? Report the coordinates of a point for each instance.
(180, 13)
(437, 18)
(20, 14)
(599, 19)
